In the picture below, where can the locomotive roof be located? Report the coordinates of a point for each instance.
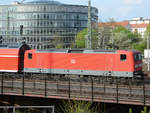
(76, 51)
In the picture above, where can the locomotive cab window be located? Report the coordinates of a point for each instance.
(123, 57)
(137, 57)
(29, 55)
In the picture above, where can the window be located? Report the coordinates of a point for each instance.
(38, 16)
(29, 55)
(123, 57)
(44, 16)
(44, 8)
(47, 16)
(137, 57)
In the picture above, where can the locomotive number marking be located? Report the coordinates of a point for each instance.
(73, 61)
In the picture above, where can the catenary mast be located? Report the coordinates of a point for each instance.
(89, 44)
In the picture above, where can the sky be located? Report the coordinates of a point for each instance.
(119, 10)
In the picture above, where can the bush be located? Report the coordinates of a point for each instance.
(78, 107)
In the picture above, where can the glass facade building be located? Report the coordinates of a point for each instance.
(43, 21)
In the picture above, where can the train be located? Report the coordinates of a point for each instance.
(85, 62)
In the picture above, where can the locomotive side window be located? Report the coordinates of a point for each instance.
(29, 55)
(123, 57)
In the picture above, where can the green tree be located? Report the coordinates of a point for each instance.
(123, 38)
(80, 41)
(143, 43)
(140, 46)
(147, 32)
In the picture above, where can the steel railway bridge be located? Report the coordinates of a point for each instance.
(93, 89)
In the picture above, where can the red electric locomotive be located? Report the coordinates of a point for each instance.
(117, 63)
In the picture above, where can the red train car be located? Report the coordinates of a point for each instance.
(12, 57)
(120, 63)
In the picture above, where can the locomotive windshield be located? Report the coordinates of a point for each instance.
(137, 57)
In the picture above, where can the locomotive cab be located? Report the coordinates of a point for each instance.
(137, 64)
(129, 63)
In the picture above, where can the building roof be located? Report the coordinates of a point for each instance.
(43, 2)
(123, 23)
(139, 25)
(114, 24)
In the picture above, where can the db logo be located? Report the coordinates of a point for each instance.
(73, 61)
